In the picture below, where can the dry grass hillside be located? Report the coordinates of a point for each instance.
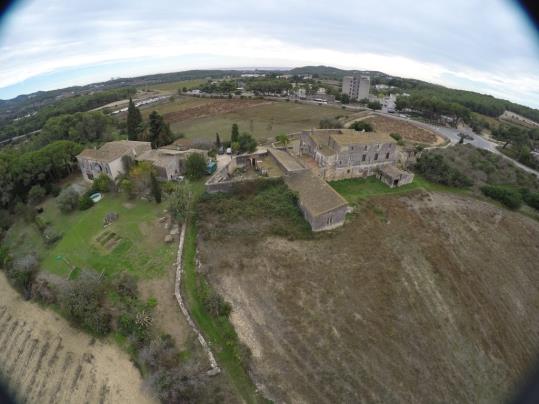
(427, 297)
(44, 360)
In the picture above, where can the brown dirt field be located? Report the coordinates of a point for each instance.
(44, 360)
(421, 298)
(212, 107)
(168, 316)
(408, 131)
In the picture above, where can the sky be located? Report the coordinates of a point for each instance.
(480, 45)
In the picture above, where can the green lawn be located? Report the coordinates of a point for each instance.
(357, 189)
(139, 248)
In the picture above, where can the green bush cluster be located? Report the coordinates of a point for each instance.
(511, 198)
(436, 169)
(362, 126)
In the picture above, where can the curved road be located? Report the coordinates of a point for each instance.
(452, 135)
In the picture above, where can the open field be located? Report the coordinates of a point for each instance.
(201, 118)
(44, 360)
(420, 297)
(176, 85)
(408, 131)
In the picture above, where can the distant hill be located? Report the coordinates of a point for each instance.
(25, 105)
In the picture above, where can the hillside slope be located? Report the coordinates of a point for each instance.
(423, 298)
(45, 360)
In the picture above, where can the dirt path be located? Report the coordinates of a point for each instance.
(45, 360)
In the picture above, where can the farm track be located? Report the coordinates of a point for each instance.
(44, 360)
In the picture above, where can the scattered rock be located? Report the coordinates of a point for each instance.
(175, 230)
(162, 219)
(110, 217)
(169, 238)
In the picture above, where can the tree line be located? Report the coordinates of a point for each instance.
(65, 106)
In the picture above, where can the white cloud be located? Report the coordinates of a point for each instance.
(50, 37)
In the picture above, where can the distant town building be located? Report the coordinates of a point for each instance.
(108, 158)
(356, 87)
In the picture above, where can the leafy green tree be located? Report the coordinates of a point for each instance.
(195, 166)
(282, 139)
(159, 131)
(156, 188)
(235, 133)
(247, 143)
(134, 119)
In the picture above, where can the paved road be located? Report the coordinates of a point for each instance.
(452, 135)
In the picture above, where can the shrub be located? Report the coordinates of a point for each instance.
(55, 190)
(36, 194)
(396, 136)
(195, 166)
(26, 212)
(85, 202)
(23, 271)
(362, 126)
(509, 197)
(68, 200)
(51, 236)
(216, 306)
(435, 169)
(330, 123)
(532, 199)
(127, 187)
(102, 183)
(82, 301)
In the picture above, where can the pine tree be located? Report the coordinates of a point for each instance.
(159, 131)
(217, 141)
(134, 120)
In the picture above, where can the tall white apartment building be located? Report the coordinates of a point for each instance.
(357, 87)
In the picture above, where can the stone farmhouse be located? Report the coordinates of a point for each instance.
(347, 153)
(323, 155)
(108, 158)
(169, 164)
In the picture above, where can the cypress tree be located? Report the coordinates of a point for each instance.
(134, 120)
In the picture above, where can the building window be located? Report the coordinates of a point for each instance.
(375, 156)
(387, 156)
(364, 157)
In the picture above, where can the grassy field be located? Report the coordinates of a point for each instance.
(263, 121)
(175, 85)
(357, 189)
(133, 243)
(335, 318)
